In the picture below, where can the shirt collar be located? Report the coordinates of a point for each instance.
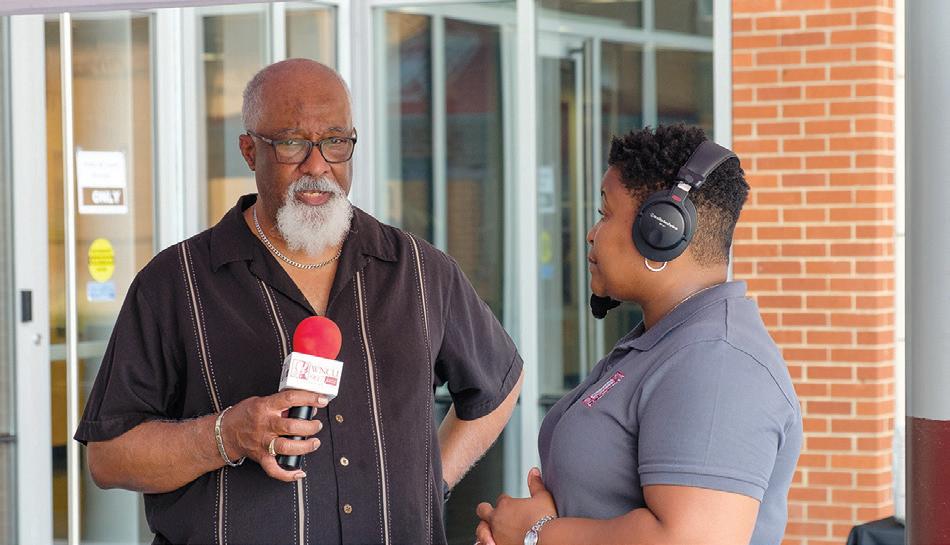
(681, 314)
(231, 240)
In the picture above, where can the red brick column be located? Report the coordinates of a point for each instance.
(813, 106)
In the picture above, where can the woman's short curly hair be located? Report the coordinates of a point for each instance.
(648, 160)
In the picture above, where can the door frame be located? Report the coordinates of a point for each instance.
(34, 466)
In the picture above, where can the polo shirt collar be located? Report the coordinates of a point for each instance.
(646, 340)
(231, 240)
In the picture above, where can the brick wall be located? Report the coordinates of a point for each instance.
(813, 106)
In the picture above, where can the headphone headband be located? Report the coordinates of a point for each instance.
(704, 159)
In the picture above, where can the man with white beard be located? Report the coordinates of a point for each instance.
(185, 394)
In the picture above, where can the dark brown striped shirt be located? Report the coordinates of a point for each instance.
(207, 323)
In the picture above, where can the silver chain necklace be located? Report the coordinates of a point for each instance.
(286, 259)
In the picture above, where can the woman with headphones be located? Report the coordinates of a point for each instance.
(689, 430)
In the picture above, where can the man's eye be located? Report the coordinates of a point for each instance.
(600, 212)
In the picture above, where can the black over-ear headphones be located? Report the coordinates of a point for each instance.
(666, 221)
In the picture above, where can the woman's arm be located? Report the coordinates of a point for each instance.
(680, 515)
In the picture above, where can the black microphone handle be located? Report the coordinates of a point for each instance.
(293, 461)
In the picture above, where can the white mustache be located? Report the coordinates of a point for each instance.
(309, 183)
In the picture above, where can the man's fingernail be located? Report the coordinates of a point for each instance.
(316, 444)
(319, 426)
(300, 476)
(322, 400)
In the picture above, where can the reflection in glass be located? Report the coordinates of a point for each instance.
(621, 91)
(628, 13)
(112, 112)
(562, 199)
(234, 50)
(311, 32)
(408, 128)
(475, 156)
(688, 16)
(473, 183)
(685, 79)
(622, 100)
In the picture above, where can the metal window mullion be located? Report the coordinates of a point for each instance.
(650, 115)
(527, 227)
(385, 132)
(344, 43)
(439, 152)
(167, 54)
(191, 169)
(580, 190)
(597, 161)
(277, 31)
(69, 232)
(511, 468)
(25, 46)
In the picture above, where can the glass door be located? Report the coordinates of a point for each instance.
(100, 220)
(564, 211)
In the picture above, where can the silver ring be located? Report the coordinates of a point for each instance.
(270, 447)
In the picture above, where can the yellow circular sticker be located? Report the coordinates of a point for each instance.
(547, 247)
(101, 260)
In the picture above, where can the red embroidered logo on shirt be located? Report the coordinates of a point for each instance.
(602, 391)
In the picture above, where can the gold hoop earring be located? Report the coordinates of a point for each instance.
(654, 269)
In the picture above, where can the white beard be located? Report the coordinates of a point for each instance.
(314, 229)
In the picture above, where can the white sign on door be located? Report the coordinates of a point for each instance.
(102, 180)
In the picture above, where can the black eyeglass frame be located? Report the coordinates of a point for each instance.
(311, 143)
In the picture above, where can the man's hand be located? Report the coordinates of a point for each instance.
(248, 428)
(510, 519)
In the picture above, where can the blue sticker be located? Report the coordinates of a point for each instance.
(100, 291)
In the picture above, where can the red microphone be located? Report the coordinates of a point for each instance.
(313, 367)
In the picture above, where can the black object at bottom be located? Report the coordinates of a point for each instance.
(886, 531)
(293, 461)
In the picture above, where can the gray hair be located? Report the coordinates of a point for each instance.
(253, 99)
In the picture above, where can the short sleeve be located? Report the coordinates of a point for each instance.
(137, 380)
(711, 417)
(477, 358)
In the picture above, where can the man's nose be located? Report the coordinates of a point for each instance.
(315, 165)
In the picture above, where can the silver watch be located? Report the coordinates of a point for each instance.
(531, 538)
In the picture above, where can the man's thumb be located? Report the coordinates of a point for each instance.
(535, 484)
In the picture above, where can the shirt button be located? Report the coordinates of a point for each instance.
(344, 462)
(347, 509)
(339, 418)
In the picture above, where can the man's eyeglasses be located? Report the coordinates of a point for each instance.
(335, 149)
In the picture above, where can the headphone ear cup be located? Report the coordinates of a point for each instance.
(663, 227)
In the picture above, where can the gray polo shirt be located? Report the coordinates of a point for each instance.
(703, 398)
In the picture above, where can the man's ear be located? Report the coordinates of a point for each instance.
(248, 150)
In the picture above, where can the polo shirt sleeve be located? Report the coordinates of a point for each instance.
(711, 417)
(137, 380)
(476, 358)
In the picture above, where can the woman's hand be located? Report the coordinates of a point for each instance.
(510, 519)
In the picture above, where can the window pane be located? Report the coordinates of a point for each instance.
(626, 13)
(685, 81)
(112, 117)
(234, 50)
(621, 91)
(689, 16)
(311, 32)
(408, 122)
(622, 99)
(562, 198)
(475, 156)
